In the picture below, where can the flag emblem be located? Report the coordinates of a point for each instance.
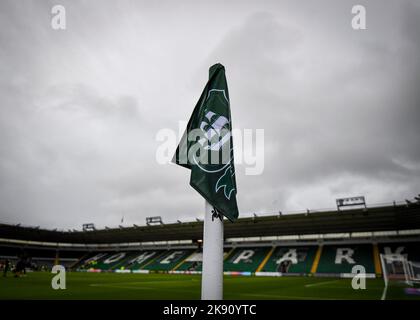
(206, 148)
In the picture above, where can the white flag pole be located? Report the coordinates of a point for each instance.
(212, 275)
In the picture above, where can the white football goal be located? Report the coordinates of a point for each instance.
(397, 269)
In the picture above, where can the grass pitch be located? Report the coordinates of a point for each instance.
(37, 285)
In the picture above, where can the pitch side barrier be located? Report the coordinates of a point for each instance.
(236, 273)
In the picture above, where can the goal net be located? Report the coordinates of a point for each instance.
(397, 269)
(414, 268)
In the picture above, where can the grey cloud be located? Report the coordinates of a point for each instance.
(80, 110)
(335, 123)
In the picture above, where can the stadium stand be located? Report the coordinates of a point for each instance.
(245, 259)
(327, 243)
(140, 259)
(168, 260)
(291, 260)
(409, 250)
(103, 261)
(192, 263)
(340, 259)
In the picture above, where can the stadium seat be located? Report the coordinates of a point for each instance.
(245, 259)
(168, 260)
(339, 259)
(292, 260)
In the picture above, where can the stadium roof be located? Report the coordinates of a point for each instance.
(387, 218)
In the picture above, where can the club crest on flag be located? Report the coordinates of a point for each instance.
(225, 182)
(206, 148)
(215, 127)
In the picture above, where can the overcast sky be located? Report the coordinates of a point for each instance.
(80, 108)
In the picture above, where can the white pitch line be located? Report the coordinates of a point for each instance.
(119, 286)
(143, 282)
(130, 285)
(275, 296)
(319, 283)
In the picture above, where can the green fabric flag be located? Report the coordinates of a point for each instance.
(206, 147)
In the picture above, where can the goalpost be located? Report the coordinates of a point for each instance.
(397, 269)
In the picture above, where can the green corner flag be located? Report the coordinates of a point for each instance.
(206, 147)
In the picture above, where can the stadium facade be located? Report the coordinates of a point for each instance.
(324, 243)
